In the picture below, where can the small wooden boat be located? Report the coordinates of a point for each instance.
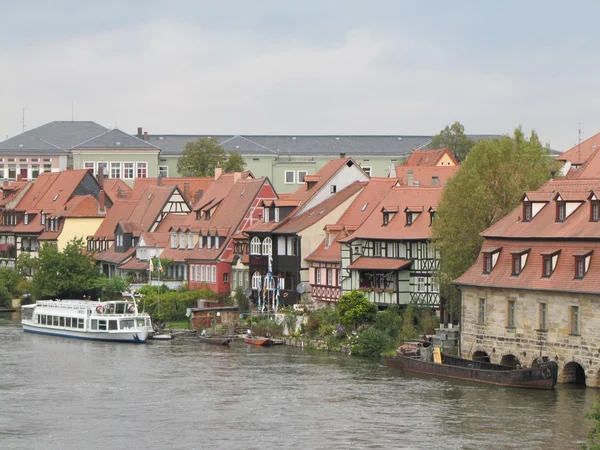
(162, 337)
(257, 340)
(542, 377)
(216, 340)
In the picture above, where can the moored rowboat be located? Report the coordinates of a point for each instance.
(257, 341)
(217, 340)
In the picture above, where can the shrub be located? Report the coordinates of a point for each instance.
(430, 323)
(241, 300)
(312, 325)
(290, 321)
(5, 296)
(390, 322)
(355, 308)
(370, 342)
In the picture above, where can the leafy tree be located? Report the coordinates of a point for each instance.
(454, 138)
(113, 287)
(488, 185)
(71, 273)
(241, 300)
(593, 441)
(200, 158)
(370, 342)
(235, 163)
(26, 264)
(355, 308)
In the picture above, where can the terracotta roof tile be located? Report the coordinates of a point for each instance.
(134, 264)
(424, 175)
(194, 185)
(380, 263)
(81, 206)
(113, 257)
(428, 157)
(581, 152)
(120, 211)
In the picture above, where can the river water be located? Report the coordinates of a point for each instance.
(58, 393)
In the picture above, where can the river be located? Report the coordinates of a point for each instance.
(58, 393)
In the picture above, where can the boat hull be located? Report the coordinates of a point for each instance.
(216, 340)
(543, 377)
(135, 336)
(258, 341)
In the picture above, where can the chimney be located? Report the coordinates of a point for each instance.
(145, 135)
(139, 133)
(102, 202)
(435, 180)
(409, 177)
(187, 191)
(159, 180)
(198, 195)
(19, 177)
(69, 167)
(237, 176)
(100, 177)
(218, 173)
(342, 154)
(119, 192)
(5, 184)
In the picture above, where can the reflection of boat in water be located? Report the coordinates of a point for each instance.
(117, 321)
(216, 340)
(418, 359)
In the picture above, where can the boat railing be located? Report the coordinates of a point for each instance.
(64, 304)
(480, 365)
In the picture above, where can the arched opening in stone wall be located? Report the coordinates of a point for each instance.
(510, 360)
(481, 356)
(573, 373)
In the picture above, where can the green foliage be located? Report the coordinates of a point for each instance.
(355, 308)
(71, 273)
(241, 300)
(593, 441)
(370, 342)
(429, 323)
(410, 320)
(200, 158)
(454, 138)
(390, 322)
(261, 325)
(290, 322)
(486, 188)
(113, 287)
(5, 296)
(153, 290)
(172, 305)
(26, 265)
(235, 163)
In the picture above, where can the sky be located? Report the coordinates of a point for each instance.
(303, 67)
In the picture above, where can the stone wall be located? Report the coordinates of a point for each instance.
(526, 341)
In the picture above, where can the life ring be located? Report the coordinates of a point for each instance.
(100, 309)
(132, 308)
(546, 372)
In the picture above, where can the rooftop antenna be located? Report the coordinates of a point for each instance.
(23, 120)
(579, 145)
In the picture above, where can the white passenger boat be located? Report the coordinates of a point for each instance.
(117, 321)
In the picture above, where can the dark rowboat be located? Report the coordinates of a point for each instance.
(217, 340)
(257, 340)
(542, 377)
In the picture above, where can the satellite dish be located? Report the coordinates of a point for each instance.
(248, 292)
(301, 288)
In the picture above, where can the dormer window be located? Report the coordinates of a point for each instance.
(182, 240)
(582, 263)
(173, 240)
(190, 243)
(200, 242)
(409, 219)
(549, 261)
(490, 258)
(519, 259)
(43, 218)
(595, 211)
(387, 217)
(209, 242)
(527, 212)
(26, 219)
(207, 214)
(266, 214)
(333, 189)
(561, 211)
(217, 242)
(431, 216)
(276, 214)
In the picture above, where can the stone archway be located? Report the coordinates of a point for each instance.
(510, 360)
(481, 356)
(574, 373)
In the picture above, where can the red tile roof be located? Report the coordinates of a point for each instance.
(120, 211)
(81, 206)
(194, 186)
(111, 256)
(581, 152)
(362, 206)
(423, 176)
(401, 197)
(10, 190)
(380, 263)
(428, 157)
(134, 264)
(156, 239)
(116, 189)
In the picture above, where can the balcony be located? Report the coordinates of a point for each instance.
(8, 251)
(326, 293)
(380, 296)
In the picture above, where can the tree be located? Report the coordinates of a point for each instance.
(235, 163)
(112, 288)
(71, 273)
(355, 308)
(200, 158)
(593, 441)
(454, 138)
(487, 187)
(9, 285)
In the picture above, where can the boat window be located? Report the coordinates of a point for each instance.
(94, 324)
(148, 322)
(120, 308)
(112, 325)
(140, 322)
(125, 324)
(102, 324)
(80, 324)
(55, 321)
(62, 321)
(42, 318)
(111, 308)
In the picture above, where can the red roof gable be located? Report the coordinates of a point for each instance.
(424, 176)
(429, 157)
(581, 152)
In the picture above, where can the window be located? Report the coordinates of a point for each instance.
(516, 264)
(255, 246)
(376, 249)
(163, 171)
(574, 320)
(128, 170)
(595, 213)
(209, 242)
(203, 276)
(547, 268)
(542, 315)
(200, 239)
(173, 240)
(339, 277)
(409, 218)
(579, 267)
(290, 176)
(190, 240)
(387, 216)
(142, 169)
(510, 313)
(182, 240)
(225, 278)
(333, 189)
(527, 212)
(35, 171)
(367, 170)
(256, 280)
(207, 214)
(481, 312)
(487, 263)
(330, 277)
(12, 171)
(103, 165)
(317, 275)
(213, 274)
(300, 176)
(267, 246)
(217, 242)
(420, 284)
(115, 170)
(276, 214)
(290, 246)
(561, 211)
(26, 219)
(266, 214)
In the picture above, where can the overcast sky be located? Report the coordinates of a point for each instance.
(304, 67)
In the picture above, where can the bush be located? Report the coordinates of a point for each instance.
(355, 308)
(5, 296)
(264, 325)
(241, 300)
(370, 342)
(290, 321)
(430, 323)
(390, 322)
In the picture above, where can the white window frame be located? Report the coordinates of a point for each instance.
(266, 214)
(255, 246)
(285, 178)
(213, 274)
(165, 169)
(173, 240)
(138, 165)
(256, 279)
(26, 219)
(182, 240)
(93, 163)
(190, 239)
(305, 172)
(317, 275)
(276, 214)
(209, 242)
(368, 170)
(132, 168)
(200, 241)
(421, 284)
(114, 165)
(105, 165)
(329, 277)
(202, 273)
(267, 246)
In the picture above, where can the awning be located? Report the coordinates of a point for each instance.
(380, 263)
